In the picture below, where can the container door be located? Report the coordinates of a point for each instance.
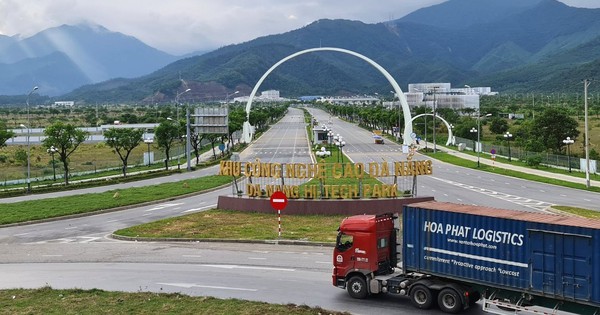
(577, 270)
(561, 264)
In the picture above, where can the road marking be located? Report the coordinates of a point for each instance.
(111, 221)
(257, 258)
(248, 267)
(163, 206)
(52, 255)
(22, 234)
(323, 262)
(199, 209)
(193, 256)
(526, 202)
(71, 228)
(193, 285)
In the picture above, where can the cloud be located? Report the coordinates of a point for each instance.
(182, 26)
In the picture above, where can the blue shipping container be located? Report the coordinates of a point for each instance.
(543, 254)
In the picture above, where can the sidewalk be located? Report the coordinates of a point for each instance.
(521, 169)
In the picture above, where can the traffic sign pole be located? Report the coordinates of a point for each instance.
(279, 202)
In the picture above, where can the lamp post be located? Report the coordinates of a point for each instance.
(479, 133)
(341, 143)
(28, 146)
(228, 95)
(148, 141)
(473, 130)
(177, 102)
(51, 151)
(330, 138)
(508, 136)
(335, 140)
(568, 142)
(434, 114)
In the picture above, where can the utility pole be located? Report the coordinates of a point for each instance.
(434, 114)
(586, 144)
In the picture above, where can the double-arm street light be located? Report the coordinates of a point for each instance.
(473, 130)
(568, 142)
(508, 136)
(51, 151)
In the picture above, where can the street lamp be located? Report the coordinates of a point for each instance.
(479, 133)
(28, 161)
(434, 114)
(148, 141)
(473, 130)
(330, 137)
(228, 95)
(568, 142)
(51, 151)
(177, 102)
(508, 136)
(340, 144)
(28, 147)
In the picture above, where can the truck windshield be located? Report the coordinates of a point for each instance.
(344, 241)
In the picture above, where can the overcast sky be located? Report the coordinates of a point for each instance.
(183, 26)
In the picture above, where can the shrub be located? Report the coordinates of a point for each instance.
(534, 161)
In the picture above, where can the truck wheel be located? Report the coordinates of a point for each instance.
(357, 287)
(449, 301)
(421, 297)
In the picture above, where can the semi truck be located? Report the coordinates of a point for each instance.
(453, 255)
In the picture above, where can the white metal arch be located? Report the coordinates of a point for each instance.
(405, 109)
(450, 137)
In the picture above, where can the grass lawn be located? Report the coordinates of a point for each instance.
(57, 207)
(227, 224)
(448, 158)
(49, 301)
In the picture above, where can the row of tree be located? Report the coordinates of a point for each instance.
(66, 138)
(543, 132)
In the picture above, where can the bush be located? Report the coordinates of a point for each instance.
(534, 161)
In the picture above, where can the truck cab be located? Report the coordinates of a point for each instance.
(363, 248)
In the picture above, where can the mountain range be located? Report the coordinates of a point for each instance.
(510, 45)
(62, 58)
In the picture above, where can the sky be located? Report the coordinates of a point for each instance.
(183, 26)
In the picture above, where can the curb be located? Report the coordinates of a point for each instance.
(219, 240)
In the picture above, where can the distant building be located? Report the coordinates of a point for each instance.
(64, 103)
(444, 96)
(351, 100)
(265, 96)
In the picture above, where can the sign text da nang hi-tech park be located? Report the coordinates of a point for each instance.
(321, 171)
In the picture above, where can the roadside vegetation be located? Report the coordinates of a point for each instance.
(52, 301)
(237, 225)
(78, 204)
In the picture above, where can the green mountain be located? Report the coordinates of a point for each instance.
(525, 45)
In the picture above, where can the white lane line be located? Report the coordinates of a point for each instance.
(193, 285)
(111, 221)
(71, 228)
(323, 262)
(166, 205)
(248, 267)
(52, 255)
(257, 258)
(22, 234)
(200, 209)
(192, 256)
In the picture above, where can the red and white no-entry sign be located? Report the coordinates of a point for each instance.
(279, 200)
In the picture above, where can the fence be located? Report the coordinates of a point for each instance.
(552, 160)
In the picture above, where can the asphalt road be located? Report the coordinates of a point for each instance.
(78, 252)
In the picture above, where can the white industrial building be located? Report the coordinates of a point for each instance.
(265, 96)
(443, 95)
